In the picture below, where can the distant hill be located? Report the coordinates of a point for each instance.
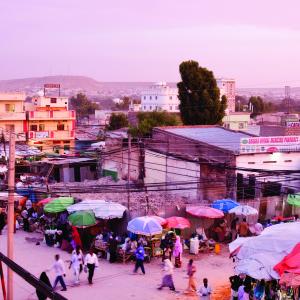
(67, 82)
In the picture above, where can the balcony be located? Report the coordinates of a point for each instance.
(51, 135)
(13, 116)
(52, 115)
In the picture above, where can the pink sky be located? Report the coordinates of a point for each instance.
(257, 42)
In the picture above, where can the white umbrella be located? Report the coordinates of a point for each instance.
(85, 205)
(109, 210)
(244, 210)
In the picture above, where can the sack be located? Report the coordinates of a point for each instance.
(85, 269)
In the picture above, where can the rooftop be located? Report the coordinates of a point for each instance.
(213, 135)
(12, 96)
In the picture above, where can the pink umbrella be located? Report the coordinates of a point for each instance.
(204, 212)
(160, 220)
(178, 223)
(45, 201)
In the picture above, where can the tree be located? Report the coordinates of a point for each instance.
(240, 102)
(199, 95)
(83, 106)
(260, 106)
(124, 105)
(117, 121)
(148, 120)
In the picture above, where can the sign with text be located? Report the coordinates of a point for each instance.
(41, 134)
(52, 86)
(292, 124)
(270, 144)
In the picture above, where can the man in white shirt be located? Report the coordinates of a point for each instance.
(59, 269)
(91, 262)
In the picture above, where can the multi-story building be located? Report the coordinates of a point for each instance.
(51, 126)
(227, 88)
(12, 115)
(158, 97)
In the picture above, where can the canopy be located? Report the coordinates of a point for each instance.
(58, 205)
(144, 226)
(290, 279)
(224, 205)
(82, 218)
(160, 220)
(244, 210)
(258, 255)
(204, 212)
(290, 263)
(293, 199)
(17, 197)
(178, 223)
(85, 205)
(109, 210)
(45, 201)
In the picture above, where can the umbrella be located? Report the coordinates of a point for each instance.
(178, 223)
(82, 218)
(290, 279)
(144, 226)
(109, 210)
(160, 220)
(85, 205)
(225, 205)
(244, 210)
(293, 199)
(58, 205)
(205, 212)
(45, 201)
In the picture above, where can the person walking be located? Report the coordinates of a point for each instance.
(177, 252)
(91, 262)
(76, 264)
(191, 270)
(44, 278)
(59, 269)
(167, 280)
(140, 257)
(205, 291)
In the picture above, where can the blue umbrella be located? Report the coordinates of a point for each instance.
(144, 226)
(224, 205)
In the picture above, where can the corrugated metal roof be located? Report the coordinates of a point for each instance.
(215, 135)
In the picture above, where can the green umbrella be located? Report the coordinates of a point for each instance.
(58, 204)
(82, 218)
(293, 199)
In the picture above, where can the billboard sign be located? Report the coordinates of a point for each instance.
(41, 134)
(270, 144)
(52, 86)
(292, 124)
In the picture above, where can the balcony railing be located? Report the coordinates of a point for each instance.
(52, 115)
(51, 135)
(13, 116)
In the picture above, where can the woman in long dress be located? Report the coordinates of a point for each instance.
(177, 252)
(167, 280)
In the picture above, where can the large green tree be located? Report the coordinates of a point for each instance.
(260, 106)
(199, 95)
(148, 120)
(117, 121)
(82, 105)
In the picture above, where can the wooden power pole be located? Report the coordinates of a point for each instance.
(11, 213)
(128, 172)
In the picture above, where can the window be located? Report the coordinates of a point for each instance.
(41, 127)
(241, 125)
(155, 97)
(33, 127)
(170, 97)
(171, 107)
(60, 126)
(251, 163)
(9, 107)
(53, 100)
(9, 127)
(150, 107)
(270, 162)
(145, 107)
(150, 97)
(288, 160)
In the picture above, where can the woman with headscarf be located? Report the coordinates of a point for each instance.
(177, 252)
(167, 280)
(44, 278)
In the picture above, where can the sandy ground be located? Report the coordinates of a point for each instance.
(115, 281)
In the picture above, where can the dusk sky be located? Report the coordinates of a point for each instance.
(256, 42)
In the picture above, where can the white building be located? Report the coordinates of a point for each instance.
(158, 97)
(227, 88)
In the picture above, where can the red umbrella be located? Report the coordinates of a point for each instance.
(178, 223)
(160, 220)
(204, 212)
(45, 201)
(290, 279)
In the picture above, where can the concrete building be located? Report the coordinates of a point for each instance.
(227, 88)
(236, 120)
(12, 115)
(51, 126)
(158, 97)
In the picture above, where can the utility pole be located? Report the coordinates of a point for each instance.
(11, 213)
(128, 171)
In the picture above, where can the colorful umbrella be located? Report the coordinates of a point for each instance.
(290, 279)
(82, 219)
(178, 223)
(58, 205)
(204, 212)
(160, 220)
(85, 205)
(244, 210)
(109, 210)
(293, 199)
(45, 201)
(225, 205)
(144, 226)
